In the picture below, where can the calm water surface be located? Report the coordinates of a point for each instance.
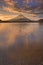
(10, 31)
(21, 44)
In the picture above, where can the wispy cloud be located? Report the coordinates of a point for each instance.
(10, 6)
(32, 8)
(7, 16)
(9, 9)
(9, 2)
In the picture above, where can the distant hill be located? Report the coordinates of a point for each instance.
(40, 21)
(1, 21)
(20, 18)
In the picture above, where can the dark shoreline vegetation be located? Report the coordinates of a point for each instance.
(40, 21)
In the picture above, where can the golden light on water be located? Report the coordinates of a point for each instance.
(10, 31)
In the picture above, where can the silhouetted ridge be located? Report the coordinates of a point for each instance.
(20, 18)
(0, 20)
(40, 21)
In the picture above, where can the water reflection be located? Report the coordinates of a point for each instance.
(21, 44)
(32, 32)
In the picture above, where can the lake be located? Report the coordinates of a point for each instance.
(21, 44)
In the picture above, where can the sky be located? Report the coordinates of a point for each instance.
(32, 9)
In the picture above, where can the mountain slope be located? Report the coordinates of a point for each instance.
(20, 18)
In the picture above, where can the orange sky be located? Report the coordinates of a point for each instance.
(9, 9)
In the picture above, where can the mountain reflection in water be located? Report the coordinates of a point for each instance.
(21, 44)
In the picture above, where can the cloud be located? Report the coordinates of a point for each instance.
(16, 7)
(9, 9)
(9, 13)
(25, 4)
(7, 17)
(9, 2)
(11, 5)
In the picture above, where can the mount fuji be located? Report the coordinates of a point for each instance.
(20, 18)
